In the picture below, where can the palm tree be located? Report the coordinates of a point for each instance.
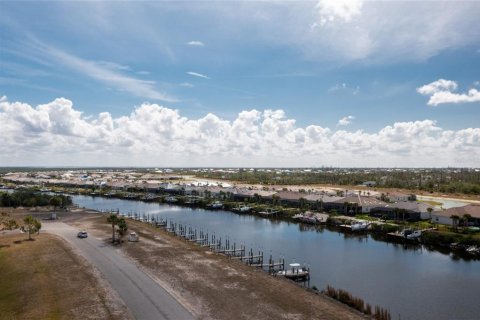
(430, 210)
(275, 200)
(37, 225)
(55, 202)
(113, 219)
(466, 219)
(302, 202)
(345, 207)
(122, 227)
(30, 225)
(455, 220)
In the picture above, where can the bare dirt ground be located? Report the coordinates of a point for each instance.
(45, 279)
(212, 286)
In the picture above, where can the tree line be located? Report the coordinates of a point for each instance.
(27, 198)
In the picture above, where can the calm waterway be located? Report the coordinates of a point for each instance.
(412, 284)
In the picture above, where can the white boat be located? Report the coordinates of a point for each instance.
(473, 250)
(309, 219)
(171, 199)
(359, 225)
(216, 205)
(295, 272)
(415, 234)
(268, 212)
(245, 209)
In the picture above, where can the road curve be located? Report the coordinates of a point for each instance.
(145, 298)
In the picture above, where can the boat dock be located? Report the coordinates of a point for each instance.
(226, 247)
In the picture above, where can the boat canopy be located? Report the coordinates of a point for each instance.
(294, 265)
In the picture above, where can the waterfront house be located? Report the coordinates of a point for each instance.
(403, 210)
(355, 204)
(322, 201)
(445, 216)
(289, 198)
(171, 188)
(245, 194)
(398, 197)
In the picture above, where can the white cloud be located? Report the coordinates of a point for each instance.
(345, 121)
(344, 87)
(442, 91)
(195, 43)
(331, 10)
(56, 133)
(376, 32)
(338, 86)
(436, 86)
(187, 85)
(196, 74)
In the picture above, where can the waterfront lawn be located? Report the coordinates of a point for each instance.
(447, 237)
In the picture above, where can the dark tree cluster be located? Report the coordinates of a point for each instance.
(33, 199)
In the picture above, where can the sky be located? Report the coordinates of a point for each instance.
(343, 83)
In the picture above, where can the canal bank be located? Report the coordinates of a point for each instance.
(404, 281)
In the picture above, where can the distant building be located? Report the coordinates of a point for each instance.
(369, 184)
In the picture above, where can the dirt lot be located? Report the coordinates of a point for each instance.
(44, 279)
(213, 286)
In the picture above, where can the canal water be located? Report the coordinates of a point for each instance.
(411, 283)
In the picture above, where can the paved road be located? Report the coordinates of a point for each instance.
(145, 298)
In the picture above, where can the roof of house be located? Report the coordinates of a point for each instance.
(321, 197)
(471, 209)
(291, 195)
(409, 206)
(371, 202)
(248, 192)
(349, 199)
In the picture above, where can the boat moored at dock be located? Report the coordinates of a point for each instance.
(295, 272)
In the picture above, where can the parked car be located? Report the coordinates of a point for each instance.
(82, 234)
(133, 237)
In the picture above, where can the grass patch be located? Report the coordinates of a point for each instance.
(431, 202)
(43, 279)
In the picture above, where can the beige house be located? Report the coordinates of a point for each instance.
(444, 216)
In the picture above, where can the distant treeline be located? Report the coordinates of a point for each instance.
(32, 199)
(465, 181)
